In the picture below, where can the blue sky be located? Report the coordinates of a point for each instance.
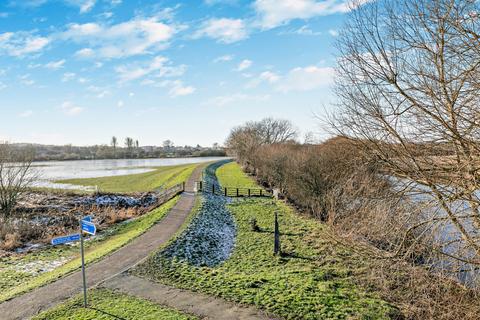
(81, 71)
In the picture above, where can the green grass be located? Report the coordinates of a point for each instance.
(160, 177)
(106, 304)
(13, 283)
(311, 280)
(231, 175)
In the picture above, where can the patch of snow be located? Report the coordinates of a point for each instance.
(39, 267)
(210, 238)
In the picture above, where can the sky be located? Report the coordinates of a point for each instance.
(81, 71)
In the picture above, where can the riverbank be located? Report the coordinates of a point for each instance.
(312, 279)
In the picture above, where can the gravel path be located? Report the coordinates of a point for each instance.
(33, 302)
(199, 304)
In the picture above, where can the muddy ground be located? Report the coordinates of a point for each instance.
(40, 216)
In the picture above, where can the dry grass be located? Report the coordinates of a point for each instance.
(334, 183)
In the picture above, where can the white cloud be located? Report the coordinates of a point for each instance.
(85, 53)
(86, 5)
(83, 5)
(70, 109)
(333, 33)
(178, 89)
(157, 67)
(224, 58)
(244, 65)
(133, 37)
(100, 93)
(67, 76)
(223, 30)
(55, 65)
(221, 101)
(307, 78)
(273, 13)
(25, 114)
(131, 94)
(2, 85)
(266, 76)
(120, 103)
(21, 43)
(25, 79)
(303, 30)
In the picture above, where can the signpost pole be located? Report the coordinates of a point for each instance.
(83, 268)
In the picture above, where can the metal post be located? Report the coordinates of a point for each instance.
(237, 192)
(183, 186)
(276, 243)
(83, 268)
(225, 191)
(249, 192)
(261, 192)
(213, 188)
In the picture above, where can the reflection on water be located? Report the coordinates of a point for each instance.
(51, 171)
(441, 232)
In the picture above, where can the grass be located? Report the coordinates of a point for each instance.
(160, 177)
(312, 279)
(106, 304)
(13, 283)
(231, 175)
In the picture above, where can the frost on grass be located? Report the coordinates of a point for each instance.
(210, 238)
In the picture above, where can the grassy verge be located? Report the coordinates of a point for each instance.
(311, 280)
(106, 305)
(160, 177)
(231, 175)
(14, 283)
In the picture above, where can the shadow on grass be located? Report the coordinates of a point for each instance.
(261, 230)
(108, 314)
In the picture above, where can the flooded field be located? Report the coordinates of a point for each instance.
(51, 171)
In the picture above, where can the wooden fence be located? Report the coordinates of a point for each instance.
(231, 191)
(167, 194)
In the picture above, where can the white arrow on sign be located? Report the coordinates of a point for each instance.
(89, 227)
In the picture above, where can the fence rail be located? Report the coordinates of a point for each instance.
(231, 191)
(167, 194)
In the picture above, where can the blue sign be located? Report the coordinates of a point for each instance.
(88, 227)
(87, 218)
(66, 239)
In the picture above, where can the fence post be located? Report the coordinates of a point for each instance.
(183, 186)
(261, 192)
(249, 192)
(276, 240)
(225, 191)
(237, 192)
(213, 188)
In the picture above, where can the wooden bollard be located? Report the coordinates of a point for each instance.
(276, 237)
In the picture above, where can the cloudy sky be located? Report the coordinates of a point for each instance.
(80, 71)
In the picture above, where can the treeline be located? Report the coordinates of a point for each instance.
(338, 183)
(133, 151)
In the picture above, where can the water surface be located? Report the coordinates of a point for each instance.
(51, 171)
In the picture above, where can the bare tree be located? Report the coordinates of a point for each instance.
(129, 145)
(16, 176)
(408, 83)
(244, 141)
(114, 144)
(167, 145)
